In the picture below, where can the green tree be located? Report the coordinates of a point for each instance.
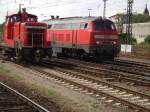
(140, 18)
(0, 27)
(137, 18)
(147, 40)
(123, 39)
(0, 32)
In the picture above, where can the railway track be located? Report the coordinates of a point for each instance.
(101, 90)
(114, 65)
(127, 62)
(124, 66)
(13, 101)
(101, 72)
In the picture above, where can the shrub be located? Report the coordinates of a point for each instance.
(123, 39)
(147, 40)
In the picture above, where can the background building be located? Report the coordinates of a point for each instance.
(141, 24)
(139, 31)
(146, 11)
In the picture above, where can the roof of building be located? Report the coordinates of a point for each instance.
(146, 11)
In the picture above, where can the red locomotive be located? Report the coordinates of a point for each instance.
(83, 37)
(24, 37)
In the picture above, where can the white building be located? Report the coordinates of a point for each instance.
(140, 31)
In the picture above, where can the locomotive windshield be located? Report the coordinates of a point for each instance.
(32, 18)
(104, 25)
(21, 18)
(16, 18)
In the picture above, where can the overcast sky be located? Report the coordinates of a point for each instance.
(67, 8)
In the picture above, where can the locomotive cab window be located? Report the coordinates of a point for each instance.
(99, 25)
(109, 25)
(15, 18)
(32, 19)
(83, 25)
(49, 26)
(104, 25)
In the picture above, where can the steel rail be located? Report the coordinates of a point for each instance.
(100, 72)
(93, 90)
(94, 79)
(129, 62)
(23, 98)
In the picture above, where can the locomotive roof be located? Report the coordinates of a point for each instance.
(20, 14)
(73, 20)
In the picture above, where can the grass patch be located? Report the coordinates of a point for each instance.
(51, 92)
(3, 70)
(143, 46)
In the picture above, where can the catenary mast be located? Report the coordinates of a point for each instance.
(129, 21)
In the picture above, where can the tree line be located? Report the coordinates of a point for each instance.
(0, 27)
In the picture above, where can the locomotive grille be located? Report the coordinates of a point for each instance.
(36, 37)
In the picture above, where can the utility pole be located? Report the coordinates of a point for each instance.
(104, 11)
(89, 12)
(129, 21)
(7, 8)
(30, 2)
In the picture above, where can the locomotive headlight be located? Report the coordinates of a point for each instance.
(114, 42)
(97, 42)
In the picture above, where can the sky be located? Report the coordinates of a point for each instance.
(68, 8)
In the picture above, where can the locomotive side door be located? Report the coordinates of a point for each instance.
(75, 27)
(74, 38)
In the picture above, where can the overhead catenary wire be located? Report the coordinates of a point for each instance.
(54, 4)
(59, 3)
(64, 7)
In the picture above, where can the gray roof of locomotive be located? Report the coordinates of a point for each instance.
(72, 20)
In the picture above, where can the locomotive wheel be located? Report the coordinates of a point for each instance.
(111, 58)
(4, 54)
(37, 56)
(18, 55)
(98, 58)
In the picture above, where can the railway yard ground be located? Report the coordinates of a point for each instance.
(135, 59)
(69, 85)
(138, 52)
(69, 61)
